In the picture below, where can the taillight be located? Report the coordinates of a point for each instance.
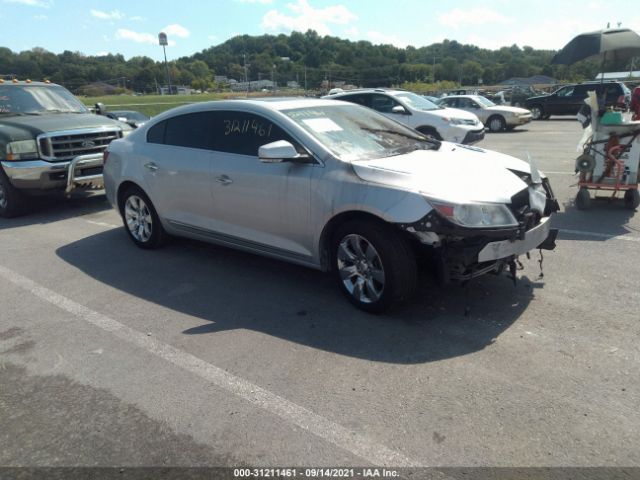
(105, 156)
(622, 100)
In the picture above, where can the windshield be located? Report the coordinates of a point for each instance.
(484, 101)
(37, 99)
(352, 132)
(417, 102)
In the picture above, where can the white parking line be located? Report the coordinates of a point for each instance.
(102, 224)
(604, 236)
(324, 428)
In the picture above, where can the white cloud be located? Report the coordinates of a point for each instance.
(32, 3)
(137, 18)
(382, 38)
(458, 17)
(264, 2)
(102, 53)
(40, 17)
(213, 38)
(112, 15)
(138, 37)
(176, 30)
(304, 17)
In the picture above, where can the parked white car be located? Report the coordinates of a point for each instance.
(417, 112)
(329, 185)
(496, 117)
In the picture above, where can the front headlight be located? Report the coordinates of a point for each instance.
(22, 150)
(455, 121)
(477, 215)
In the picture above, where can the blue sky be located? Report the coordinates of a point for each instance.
(131, 27)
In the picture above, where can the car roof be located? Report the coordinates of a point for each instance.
(27, 83)
(253, 104)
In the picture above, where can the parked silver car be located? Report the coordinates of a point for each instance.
(330, 185)
(496, 117)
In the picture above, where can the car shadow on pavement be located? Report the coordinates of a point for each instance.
(605, 219)
(228, 289)
(54, 208)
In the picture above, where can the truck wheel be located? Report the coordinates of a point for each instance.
(141, 220)
(12, 201)
(496, 123)
(583, 199)
(537, 112)
(631, 199)
(373, 265)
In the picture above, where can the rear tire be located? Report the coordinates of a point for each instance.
(373, 265)
(141, 220)
(12, 201)
(631, 199)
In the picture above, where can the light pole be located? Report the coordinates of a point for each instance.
(162, 40)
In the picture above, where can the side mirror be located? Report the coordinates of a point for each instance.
(399, 109)
(281, 151)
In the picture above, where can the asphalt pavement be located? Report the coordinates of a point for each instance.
(201, 355)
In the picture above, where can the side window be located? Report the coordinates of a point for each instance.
(565, 92)
(383, 103)
(191, 130)
(580, 91)
(359, 99)
(466, 103)
(156, 133)
(244, 133)
(450, 102)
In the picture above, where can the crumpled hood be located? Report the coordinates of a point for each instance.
(454, 173)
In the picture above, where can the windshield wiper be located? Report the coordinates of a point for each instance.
(435, 143)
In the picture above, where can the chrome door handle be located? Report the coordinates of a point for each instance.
(151, 166)
(224, 180)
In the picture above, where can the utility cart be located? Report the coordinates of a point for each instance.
(610, 160)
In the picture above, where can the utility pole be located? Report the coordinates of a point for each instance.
(305, 79)
(162, 39)
(433, 70)
(246, 78)
(273, 78)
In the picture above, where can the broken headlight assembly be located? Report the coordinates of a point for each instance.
(476, 215)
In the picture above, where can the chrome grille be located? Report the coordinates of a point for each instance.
(69, 144)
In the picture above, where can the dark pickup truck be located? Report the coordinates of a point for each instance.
(49, 141)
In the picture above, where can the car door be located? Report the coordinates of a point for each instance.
(264, 206)
(471, 106)
(557, 103)
(176, 169)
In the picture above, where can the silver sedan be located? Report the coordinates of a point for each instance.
(495, 117)
(329, 185)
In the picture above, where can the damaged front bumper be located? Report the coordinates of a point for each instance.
(462, 253)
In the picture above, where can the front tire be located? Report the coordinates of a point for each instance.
(12, 201)
(430, 132)
(141, 220)
(373, 265)
(496, 123)
(537, 112)
(583, 199)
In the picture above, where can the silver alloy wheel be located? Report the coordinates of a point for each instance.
(137, 216)
(360, 268)
(3, 197)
